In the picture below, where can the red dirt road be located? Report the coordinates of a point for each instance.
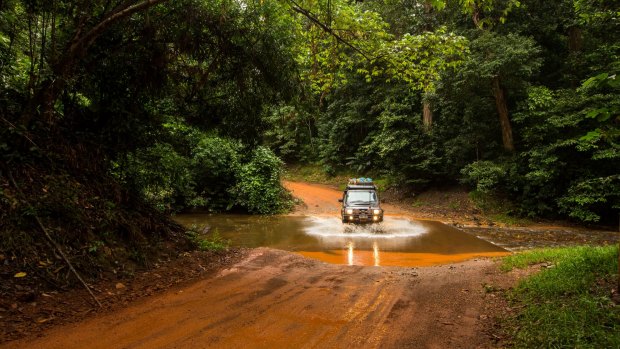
(321, 199)
(277, 299)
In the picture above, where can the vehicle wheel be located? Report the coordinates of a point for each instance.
(344, 220)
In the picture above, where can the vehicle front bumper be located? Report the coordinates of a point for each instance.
(362, 218)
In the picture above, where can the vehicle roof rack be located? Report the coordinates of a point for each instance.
(360, 183)
(361, 180)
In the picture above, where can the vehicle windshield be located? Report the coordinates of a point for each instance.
(361, 197)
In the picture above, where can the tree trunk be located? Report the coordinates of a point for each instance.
(427, 112)
(427, 115)
(46, 95)
(575, 39)
(575, 44)
(502, 110)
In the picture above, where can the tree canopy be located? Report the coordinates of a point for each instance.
(117, 112)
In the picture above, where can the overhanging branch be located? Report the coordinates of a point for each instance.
(297, 8)
(82, 43)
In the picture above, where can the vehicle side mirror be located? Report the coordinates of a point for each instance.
(339, 200)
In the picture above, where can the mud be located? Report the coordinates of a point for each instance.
(525, 238)
(278, 299)
(275, 299)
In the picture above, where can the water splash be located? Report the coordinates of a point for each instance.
(390, 228)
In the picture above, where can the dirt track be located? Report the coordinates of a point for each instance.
(321, 199)
(276, 299)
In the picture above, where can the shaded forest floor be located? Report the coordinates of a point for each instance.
(29, 313)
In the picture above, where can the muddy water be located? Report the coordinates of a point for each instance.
(395, 242)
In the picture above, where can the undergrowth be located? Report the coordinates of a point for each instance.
(568, 304)
(208, 242)
(100, 226)
(315, 173)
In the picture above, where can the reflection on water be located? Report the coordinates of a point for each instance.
(375, 254)
(350, 254)
(395, 242)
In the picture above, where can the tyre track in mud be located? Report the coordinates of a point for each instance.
(278, 299)
(275, 299)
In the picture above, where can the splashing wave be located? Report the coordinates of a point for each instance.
(390, 228)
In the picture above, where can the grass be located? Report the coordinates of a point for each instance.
(418, 203)
(454, 205)
(568, 304)
(489, 203)
(497, 209)
(211, 242)
(511, 220)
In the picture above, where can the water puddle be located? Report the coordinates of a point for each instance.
(395, 242)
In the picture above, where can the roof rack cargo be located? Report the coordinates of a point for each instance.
(361, 180)
(361, 183)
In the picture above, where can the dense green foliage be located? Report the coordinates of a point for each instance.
(567, 305)
(113, 111)
(116, 112)
(167, 98)
(518, 99)
(172, 99)
(199, 170)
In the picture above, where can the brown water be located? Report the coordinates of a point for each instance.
(395, 242)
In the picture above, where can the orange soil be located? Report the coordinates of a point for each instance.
(321, 199)
(277, 299)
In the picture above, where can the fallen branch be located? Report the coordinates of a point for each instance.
(51, 240)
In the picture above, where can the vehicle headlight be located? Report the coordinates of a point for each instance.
(377, 211)
(349, 211)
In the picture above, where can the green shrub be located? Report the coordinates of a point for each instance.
(485, 176)
(216, 163)
(160, 174)
(586, 199)
(211, 242)
(258, 186)
(217, 175)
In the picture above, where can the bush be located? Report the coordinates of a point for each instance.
(211, 242)
(258, 186)
(160, 174)
(586, 199)
(216, 163)
(485, 176)
(217, 176)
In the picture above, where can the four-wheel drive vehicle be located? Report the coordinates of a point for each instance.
(360, 202)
